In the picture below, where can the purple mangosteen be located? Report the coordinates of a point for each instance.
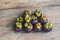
(34, 19)
(19, 19)
(38, 27)
(43, 20)
(28, 27)
(18, 27)
(47, 27)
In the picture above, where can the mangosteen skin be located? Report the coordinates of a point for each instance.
(28, 30)
(17, 29)
(47, 29)
(37, 29)
(42, 21)
(34, 21)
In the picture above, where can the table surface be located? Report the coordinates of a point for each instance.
(7, 4)
(8, 16)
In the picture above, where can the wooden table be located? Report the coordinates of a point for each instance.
(8, 16)
(7, 4)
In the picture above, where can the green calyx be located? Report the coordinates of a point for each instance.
(27, 18)
(38, 25)
(28, 25)
(17, 19)
(37, 13)
(19, 25)
(28, 12)
(34, 17)
(44, 17)
(21, 19)
(48, 25)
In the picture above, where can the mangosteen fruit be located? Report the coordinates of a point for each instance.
(34, 19)
(38, 27)
(47, 27)
(43, 20)
(28, 27)
(18, 27)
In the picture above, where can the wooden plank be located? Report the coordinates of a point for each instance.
(5, 4)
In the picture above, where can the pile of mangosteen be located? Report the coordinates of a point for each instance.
(33, 22)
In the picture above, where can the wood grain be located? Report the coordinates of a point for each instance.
(5, 4)
(8, 16)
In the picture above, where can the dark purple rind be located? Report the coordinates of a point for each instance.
(28, 30)
(17, 29)
(47, 29)
(42, 21)
(34, 21)
(37, 30)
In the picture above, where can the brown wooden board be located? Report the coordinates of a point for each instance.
(5, 4)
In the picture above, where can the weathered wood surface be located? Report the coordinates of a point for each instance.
(8, 16)
(5, 4)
